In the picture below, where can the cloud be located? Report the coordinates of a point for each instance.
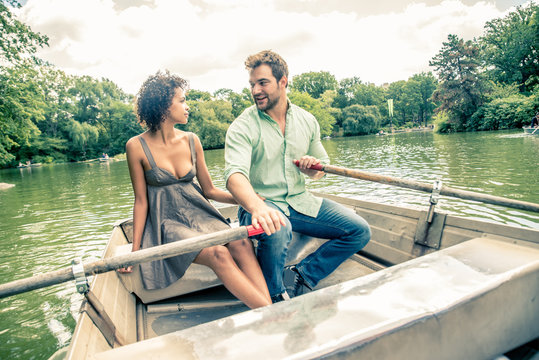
(207, 41)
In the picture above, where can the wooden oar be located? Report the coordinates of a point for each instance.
(411, 184)
(535, 130)
(154, 253)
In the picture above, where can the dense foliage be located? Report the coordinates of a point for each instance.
(484, 84)
(490, 83)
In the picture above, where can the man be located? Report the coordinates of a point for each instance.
(261, 146)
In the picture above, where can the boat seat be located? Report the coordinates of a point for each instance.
(200, 277)
(197, 277)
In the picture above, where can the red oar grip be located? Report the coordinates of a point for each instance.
(318, 167)
(251, 231)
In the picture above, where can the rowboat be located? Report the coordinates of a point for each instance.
(465, 289)
(427, 285)
(531, 130)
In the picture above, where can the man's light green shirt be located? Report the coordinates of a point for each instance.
(256, 147)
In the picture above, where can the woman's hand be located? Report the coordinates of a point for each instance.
(124, 270)
(127, 269)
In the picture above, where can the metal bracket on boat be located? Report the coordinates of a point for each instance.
(81, 282)
(434, 196)
(431, 220)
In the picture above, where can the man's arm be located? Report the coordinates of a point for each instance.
(270, 219)
(314, 156)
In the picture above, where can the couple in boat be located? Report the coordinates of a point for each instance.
(261, 147)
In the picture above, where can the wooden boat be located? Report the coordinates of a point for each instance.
(531, 130)
(451, 288)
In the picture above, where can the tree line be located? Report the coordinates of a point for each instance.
(488, 83)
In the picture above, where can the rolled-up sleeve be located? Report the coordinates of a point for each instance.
(238, 149)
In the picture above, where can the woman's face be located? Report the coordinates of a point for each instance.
(179, 110)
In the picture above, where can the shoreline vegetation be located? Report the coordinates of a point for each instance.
(490, 83)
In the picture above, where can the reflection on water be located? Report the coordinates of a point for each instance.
(57, 213)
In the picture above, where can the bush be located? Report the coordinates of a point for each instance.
(510, 112)
(443, 124)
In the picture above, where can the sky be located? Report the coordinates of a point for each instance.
(207, 41)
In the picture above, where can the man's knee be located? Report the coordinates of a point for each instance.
(360, 233)
(279, 239)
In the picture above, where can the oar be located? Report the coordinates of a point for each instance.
(535, 130)
(154, 253)
(411, 184)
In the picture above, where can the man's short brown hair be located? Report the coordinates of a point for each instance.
(275, 61)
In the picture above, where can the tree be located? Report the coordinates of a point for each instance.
(321, 112)
(361, 120)
(81, 137)
(314, 83)
(510, 47)
(21, 107)
(345, 92)
(239, 102)
(210, 120)
(422, 86)
(401, 103)
(17, 40)
(462, 87)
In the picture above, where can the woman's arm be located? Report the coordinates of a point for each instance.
(204, 178)
(134, 155)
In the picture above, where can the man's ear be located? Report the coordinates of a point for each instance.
(284, 81)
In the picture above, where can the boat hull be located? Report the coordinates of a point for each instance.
(396, 244)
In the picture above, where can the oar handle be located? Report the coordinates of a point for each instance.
(252, 231)
(318, 167)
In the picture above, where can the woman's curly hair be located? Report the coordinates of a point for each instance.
(155, 97)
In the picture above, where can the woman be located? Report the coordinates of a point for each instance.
(170, 206)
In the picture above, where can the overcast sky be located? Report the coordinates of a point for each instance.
(207, 41)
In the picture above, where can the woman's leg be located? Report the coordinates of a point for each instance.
(219, 259)
(243, 253)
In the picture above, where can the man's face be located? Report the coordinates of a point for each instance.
(265, 89)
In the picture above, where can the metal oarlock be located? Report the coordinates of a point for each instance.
(434, 196)
(81, 282)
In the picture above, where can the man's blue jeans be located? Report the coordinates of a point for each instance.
(347, 233)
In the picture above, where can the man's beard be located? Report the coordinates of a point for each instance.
(270, 104)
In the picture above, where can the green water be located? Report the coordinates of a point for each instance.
(56, 213)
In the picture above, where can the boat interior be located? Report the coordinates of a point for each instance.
(424, 283)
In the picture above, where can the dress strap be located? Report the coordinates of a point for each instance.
(147, 151)
(193, 150)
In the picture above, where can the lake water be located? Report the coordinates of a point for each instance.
(56, 213)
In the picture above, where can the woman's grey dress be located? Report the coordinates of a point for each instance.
(177, 209)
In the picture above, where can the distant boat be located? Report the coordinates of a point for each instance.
(36, 164)
(531, 130)
(326, 138)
